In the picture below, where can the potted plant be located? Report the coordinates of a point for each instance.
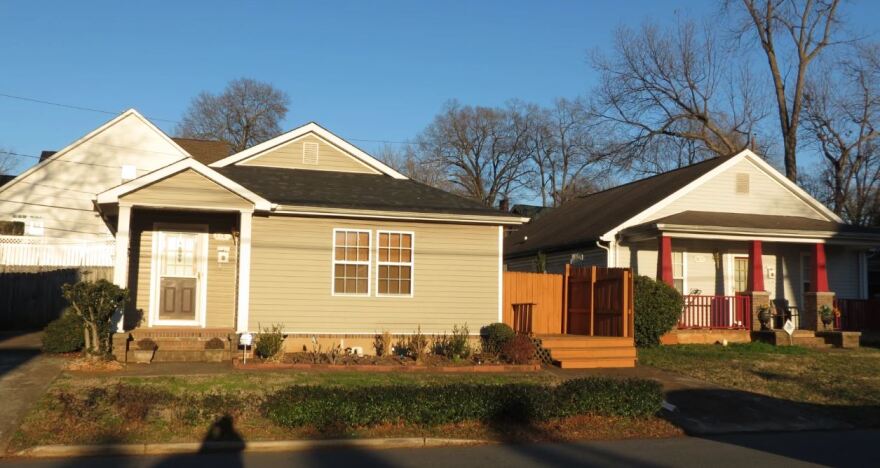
(214, 349)
(827, 315)
(764, 316)
(146, 349)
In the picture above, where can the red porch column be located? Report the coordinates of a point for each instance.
(819, 274)
(664, 260)
(756, 267)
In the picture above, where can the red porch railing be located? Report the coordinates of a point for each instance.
(716, 312)
(858, 314)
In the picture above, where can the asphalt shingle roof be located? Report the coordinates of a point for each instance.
(350, 190)
(204, 151)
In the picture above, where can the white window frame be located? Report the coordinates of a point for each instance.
(411, 264)
(684, 267)
(368, 262)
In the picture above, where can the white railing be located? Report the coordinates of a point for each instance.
(41, 251)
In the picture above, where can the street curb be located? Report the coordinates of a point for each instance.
(57, 451)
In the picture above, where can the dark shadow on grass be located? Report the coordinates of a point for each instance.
(728, 415)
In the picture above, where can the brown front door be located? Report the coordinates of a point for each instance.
(178, 299)
(179, 278)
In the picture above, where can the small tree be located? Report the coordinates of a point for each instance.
(96, 302)
(657, 309)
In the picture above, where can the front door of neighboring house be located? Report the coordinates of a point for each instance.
(740, 286)
(179, 286)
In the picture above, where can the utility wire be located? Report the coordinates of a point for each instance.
(69, 106)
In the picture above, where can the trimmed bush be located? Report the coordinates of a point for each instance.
(495, 336)
(657, 309)
(329, 406)
(519, 350)
(269, 342)
(64, 335)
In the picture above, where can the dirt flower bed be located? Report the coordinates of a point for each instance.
(430, 360)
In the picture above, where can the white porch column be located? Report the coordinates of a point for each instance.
(120, 267)
(244, 270)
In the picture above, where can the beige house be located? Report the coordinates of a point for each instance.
(306, 231)
(731, 234)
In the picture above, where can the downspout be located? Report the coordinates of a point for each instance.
(607, 250)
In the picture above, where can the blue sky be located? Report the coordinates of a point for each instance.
(371, 70)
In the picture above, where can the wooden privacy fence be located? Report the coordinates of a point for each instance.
(584, 301)
(858, 314)
(31, 299)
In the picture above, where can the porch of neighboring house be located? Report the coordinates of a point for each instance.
(181, 267)
(582, 318)
(726, 283)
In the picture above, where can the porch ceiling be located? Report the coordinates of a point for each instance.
(717, 225)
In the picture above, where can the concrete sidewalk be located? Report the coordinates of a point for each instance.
(703, 408)
(25, 375)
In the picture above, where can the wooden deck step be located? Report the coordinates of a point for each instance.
(596, 363)
(588, 352)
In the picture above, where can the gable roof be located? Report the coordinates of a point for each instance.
(600, 215)
(304, 187)
(587, 218)
(204, 151)
(59, 154)
(112, 195)
(318, 130)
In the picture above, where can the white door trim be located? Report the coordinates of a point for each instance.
(159, 231)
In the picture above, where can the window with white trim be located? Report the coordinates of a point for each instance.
(395, 263)
(351, 262)
(33, 225)
(678, 271)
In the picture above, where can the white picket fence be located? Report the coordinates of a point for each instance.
(41, 251)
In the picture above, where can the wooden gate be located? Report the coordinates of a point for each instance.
(587, 301)
(31, 299)
(599, 301)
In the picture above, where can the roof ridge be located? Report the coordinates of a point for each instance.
(712, 159)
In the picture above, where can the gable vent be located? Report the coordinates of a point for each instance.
(310, 153)
(742, 183)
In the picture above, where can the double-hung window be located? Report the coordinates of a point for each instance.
(395, 263)
(351, 262)
(679, 270)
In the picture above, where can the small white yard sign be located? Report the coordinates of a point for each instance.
(788, 327)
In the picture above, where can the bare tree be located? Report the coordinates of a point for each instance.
(673, 88)
(7, 161)
(566, 162)
(808, 26)
(841, 115)
(407, 161)
(247, 112)
(482, 150)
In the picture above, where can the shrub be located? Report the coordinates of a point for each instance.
(270, 342)
(64, 335)
(413, 346)
(495, 336)
(657, 309)
(382, 343)
(333, 406)
(456, 346)
(519, 350)
(96, 303)
(215, 343)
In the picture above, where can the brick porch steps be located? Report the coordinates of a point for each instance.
(586, 352)
(174, 344)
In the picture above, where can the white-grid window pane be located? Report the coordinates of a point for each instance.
(351, 262)
(395, 264)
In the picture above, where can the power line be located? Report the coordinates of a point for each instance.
(60, 160)
(70, 106)
(390, 142)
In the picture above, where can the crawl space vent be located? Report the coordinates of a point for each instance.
(310, 153)
(742, 183)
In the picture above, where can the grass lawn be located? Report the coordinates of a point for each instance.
(80, 409)
(847, 381)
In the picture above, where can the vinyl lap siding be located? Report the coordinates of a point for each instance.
(290, 156)
(766, 196)
(843, 272)
(455, 279)
(187, 189)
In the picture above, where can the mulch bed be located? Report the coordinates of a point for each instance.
(430, 363)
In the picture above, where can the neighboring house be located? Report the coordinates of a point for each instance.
(306, 231)
(720, 231)
(54, 199)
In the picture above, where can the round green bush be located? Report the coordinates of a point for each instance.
(64, 335)
(657, 310)
(495, 336)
